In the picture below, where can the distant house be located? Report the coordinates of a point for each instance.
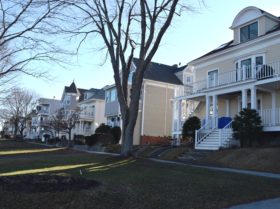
(89, 102)
(155, 108)
(242, 73)
(71, 96)
(45, 109)
(92, 109)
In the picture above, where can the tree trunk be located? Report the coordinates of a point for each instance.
(130, 118)
(69, 140)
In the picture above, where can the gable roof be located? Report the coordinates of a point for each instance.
(160, 72)
(80, 93)
(96, 93)
(71, 89)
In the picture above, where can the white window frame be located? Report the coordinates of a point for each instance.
(217, 81)
(253, 60)
(252, 22)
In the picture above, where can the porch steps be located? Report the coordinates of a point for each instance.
(211, 142)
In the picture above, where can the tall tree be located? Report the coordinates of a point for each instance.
(126, 27)
(18, 105)
(23, 24)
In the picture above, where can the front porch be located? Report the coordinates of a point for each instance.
(265, 98)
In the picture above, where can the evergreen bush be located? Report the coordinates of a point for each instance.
(247, 127)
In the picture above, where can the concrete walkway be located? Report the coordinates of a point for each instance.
(264, 204)
(232, 170)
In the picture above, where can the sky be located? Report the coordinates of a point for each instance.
(190, 36)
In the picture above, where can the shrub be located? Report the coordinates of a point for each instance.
(91, 140)
(189, 127)
(103, 129)
(79, 139)
(53, 140)
(105, 139)
(116, 132)
(247, 127)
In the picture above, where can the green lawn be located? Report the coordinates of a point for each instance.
(125, 183)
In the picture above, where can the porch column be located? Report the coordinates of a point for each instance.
(215, 112)
(244, 98)
(179, 114)
(227, 107)
(207, 106)
(273, 108)
(178, 141)
(253, 97)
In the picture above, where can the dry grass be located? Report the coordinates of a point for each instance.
(260, 159)
(129, 183)
(173, 153)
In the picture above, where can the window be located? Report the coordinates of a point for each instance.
(247, 68)
(249, 32)
(187, 79)
(213, 78)
(113, 95)
(67, 100)
(107, 96)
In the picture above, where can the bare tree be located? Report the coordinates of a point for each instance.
(56, 122)
(23, 26)
(65, 121)
(70, 119)
(126, 27)
(18, 105)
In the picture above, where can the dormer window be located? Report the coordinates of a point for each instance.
(249, 32)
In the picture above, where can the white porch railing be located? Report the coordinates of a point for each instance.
(86, 114)
(257, 72)
(205, 130)
(225, 134)
(270, 117)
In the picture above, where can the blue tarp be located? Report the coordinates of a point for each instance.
(223, 121)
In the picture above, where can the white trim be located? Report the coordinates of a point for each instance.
(242, 18)
(271, 128)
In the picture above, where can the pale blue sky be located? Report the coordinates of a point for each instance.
(190, 36)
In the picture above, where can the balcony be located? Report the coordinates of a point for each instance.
(87, 114)
(235, 77)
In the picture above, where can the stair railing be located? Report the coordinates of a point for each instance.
(205, 130)
(225, 134)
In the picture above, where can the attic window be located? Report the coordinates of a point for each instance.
(249, 32)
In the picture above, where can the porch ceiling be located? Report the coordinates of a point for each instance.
(270, 86)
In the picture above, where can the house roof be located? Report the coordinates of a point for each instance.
(71, 89)
(160, 72)
(81, 92)
(230, 43)
(96, 93)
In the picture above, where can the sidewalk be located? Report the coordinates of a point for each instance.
(232, 170)
(264, 204)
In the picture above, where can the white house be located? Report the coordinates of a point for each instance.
(244, 72)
